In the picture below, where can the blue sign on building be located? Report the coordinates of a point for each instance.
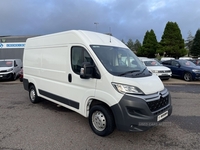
(12, 45)
(15, 45)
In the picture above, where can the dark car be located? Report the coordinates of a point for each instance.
(184, 69)
(21, 75)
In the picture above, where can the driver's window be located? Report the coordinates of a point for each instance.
(174, 63)
(78, 56)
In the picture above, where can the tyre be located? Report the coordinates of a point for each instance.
(101, 120)
(14, 77)
(187, 76)
(21, 79)
(33, 95)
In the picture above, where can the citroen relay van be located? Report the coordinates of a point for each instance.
(10, 69)
(97, 76)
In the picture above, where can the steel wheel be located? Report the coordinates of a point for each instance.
(33, 94)
(101, 120)
(187, 76)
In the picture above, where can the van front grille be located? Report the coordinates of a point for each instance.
(164, 71)
(158, 104)
(3, 70)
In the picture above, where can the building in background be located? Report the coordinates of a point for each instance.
(12, 47)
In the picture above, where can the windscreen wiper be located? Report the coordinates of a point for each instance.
(131, 71)
(141, 71)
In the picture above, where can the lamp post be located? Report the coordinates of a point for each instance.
(96, 23)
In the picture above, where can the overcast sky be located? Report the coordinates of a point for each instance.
(125, 19)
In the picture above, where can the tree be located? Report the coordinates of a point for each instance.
(149, 45)
(188, 42)
(123, 41)
(172, 43)
(195, 49)
(130, 45)
(137, 45)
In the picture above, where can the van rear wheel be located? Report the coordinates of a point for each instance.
(33, 95)
(101, 120)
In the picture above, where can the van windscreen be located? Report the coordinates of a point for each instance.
(119, 61)
(6, 63)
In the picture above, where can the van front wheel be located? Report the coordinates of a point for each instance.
(33, 94)
(101, 120)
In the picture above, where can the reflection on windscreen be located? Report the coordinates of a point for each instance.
(187, 63)
(6, 63)
(117, 60)
(152, 63)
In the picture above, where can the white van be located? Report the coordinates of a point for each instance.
(166, 58)
(97, 76)
(10, 69)
(185, 58)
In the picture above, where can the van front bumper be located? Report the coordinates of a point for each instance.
(6, 76)
(139, 113)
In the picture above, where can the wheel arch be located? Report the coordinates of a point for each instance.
(93, 102)
(27, 84)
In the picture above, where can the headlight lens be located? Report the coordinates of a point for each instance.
(196, 70)
(122, 88)
(10, 69)
(154, 71)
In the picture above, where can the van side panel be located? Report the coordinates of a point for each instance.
(54, 63)
(32, 62)
(48, 68)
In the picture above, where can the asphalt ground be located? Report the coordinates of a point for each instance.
(180, 81)
(44, 126)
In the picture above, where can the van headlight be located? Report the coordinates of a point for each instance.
(123, 88)
(10, 69)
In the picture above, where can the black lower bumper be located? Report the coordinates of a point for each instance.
(164, 77)
(135, 114)
(6, 76)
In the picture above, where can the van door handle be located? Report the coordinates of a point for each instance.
(70, 77)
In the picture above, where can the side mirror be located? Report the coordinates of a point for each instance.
(86, 71)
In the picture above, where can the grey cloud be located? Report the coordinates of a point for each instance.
(128, 19)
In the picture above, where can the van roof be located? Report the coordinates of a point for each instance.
(75, 36)
(8, 59)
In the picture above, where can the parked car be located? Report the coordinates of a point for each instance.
(156, 68)
(184, 69)
(196, 61)
(10, 68)
(185, 58)
(166, 58)
(21, 75)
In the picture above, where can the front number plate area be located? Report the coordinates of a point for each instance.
(162, 116)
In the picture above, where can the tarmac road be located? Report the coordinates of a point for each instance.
(44, 126)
